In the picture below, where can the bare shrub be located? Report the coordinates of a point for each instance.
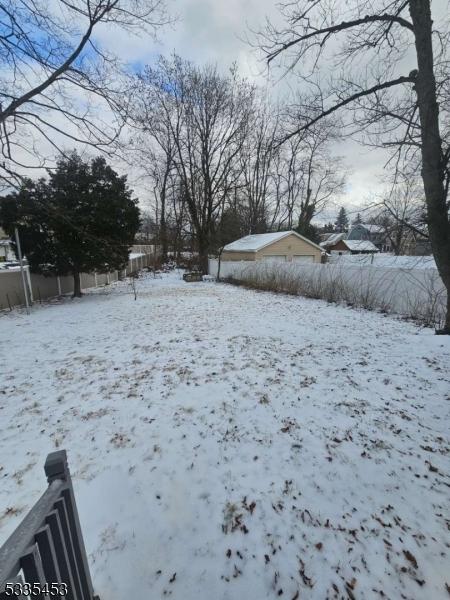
(430, 312)
(416, 294)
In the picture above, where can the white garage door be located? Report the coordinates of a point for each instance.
(303, 258)
(274, 258)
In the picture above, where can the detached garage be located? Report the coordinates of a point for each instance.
(284, 246)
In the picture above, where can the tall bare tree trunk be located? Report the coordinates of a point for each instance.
(163, 228)
(76, 285)
(162, 222)
(432, 159)
(203, 251)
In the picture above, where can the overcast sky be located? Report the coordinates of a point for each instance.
(215, 31)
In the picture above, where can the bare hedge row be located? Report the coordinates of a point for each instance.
(418, 294)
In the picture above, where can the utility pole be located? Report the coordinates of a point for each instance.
(22, 272)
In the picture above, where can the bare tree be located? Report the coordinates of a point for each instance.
(402, 214)
(283, 186)
(56, 78)
(258, 160)
(314, 176)
(407, 110)
(207, 115)
(147, 228)
(179, 228)
(156, 161)
(163, 176)
(289, 181)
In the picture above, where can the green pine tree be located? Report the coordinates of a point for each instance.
(357, 220)
(81, 219)
(309, 231)
(342, 220)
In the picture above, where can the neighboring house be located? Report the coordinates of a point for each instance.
(372, 233)
(352, 247)
(420, 247)
(332, 239)
(325, 236)
(414, 244)
(285, 246)
(6, 251)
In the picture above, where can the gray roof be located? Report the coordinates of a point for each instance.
(360, 245)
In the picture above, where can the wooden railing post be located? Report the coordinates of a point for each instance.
(56, 467)
(47, 547)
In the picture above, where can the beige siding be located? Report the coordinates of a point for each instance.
(289, 246)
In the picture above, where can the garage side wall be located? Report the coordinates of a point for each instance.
(290, 246)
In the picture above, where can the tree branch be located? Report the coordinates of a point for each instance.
(344, 25)
(352, 98)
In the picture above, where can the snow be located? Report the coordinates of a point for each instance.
(253, 243)
(334, 238)
(360, 246)
(228, 444)
(133, 255)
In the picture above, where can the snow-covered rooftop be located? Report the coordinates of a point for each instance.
(360, 246)
(333, 239)
(253, 243)
(257, 241)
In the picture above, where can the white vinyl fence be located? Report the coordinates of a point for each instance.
(384, 260)
(416, 293)
(42, 288)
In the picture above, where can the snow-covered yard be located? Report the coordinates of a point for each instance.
(230, 444)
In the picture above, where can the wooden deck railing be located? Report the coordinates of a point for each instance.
(47, 547)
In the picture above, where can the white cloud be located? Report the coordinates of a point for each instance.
(214, 31)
